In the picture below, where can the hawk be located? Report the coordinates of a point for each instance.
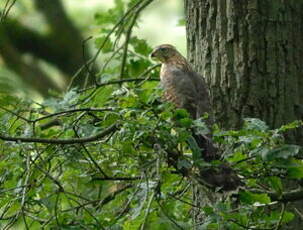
(183, 86)
(186, 89)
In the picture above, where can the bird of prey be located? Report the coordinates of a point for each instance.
(183, 86)
(186, 89)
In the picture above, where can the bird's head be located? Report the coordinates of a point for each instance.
(164, 53)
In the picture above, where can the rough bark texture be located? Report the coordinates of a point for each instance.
(250, 53)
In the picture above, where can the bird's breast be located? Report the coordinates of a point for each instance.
(167, 71)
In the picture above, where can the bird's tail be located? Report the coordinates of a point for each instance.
(208, 150)
(220, 176)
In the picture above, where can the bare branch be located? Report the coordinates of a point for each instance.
(73, 111)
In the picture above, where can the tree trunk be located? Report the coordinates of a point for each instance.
(251, 55)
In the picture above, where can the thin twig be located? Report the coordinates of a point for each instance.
(105, 132)
(90, 73)
(279, 224)
(91, 157)
(15, 114)
(114, 82)
(7, 9)
(72, 111)
(147, 211)
(24, 190)
(120, 22)
(128, 36)
(168, 217)
(116, 178)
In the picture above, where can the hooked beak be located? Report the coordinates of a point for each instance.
(152, 55)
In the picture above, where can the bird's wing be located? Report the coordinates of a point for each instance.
(202, 94)
(181, 90)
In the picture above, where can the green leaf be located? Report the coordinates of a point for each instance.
(196, 151)
(185, 122)
(180, 113)
(106, 44)
(255, 124)
(262, 151)
(282, 152)
(287, 217)
(141, 46)
(110, 118)
(103, 95)
(295, 169)
(276, 184)
(200, 127)
(136, 67)
(252, 198)
(275, 216)
(292, 125)
(184, 164)
(181, 22)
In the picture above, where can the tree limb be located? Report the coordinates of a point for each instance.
(31, 74)
(294, 195)
(103, 133)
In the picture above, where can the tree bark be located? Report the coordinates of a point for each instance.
(250, 54)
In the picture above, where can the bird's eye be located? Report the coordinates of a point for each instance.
(163, 49)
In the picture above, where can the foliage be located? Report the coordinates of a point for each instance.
(127, 179)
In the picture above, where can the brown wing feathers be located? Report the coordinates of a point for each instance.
(186, 89)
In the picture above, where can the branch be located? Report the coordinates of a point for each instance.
(116, 178)
(65, 34)
(30, 74)
(115, 82)
(128, 36)
(47, 46)
(102, 202)
(105, 132)
(294, 195)
(73, 111)
(6, 9)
